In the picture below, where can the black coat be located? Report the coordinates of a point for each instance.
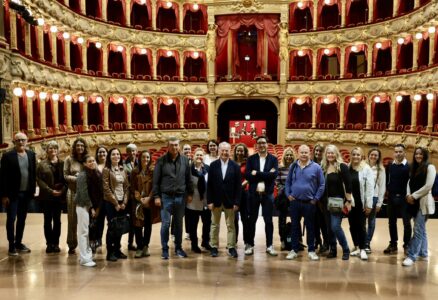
(268, 177)
(10, 175)
(224, 191)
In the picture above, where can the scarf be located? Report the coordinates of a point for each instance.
(202, 185)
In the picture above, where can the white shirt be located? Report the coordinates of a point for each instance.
(224, 166)
(404, 162)
(261, 184)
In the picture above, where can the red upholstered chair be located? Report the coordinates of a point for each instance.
(166, 78)
(91, 72)
(147, 77)
(175, 78)
(193, 78)
(149, 126)
(175, 125)
(140, 126)
(167, 125)
(200, 31)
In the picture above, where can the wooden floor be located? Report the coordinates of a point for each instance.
(59, 276)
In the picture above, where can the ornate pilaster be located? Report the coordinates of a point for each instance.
(129, 111)
(230, 55)
(342, 112)
(27, 41)
(67, 53)
(105, 58)
(128, 61)
(154, 14)
(314, 63)
(84, 57)
(128, 12)
(284, 53)
(430, 113)
(85, 113)
(211, 118)
(68, 109)
(13, 29)
(394, 56)
(369, 59)
(15, 113)
(154, 63)
(370, 11)
(40, 36)
(43, 124)
(29, 115)
(392, 112)
(53, 48)
(342, 62)
(105, 10)
(432, 42)
(211, 53)
(181, 112)
(56, 116)
(415, 43)
(181, 17)
(369, 102)
(314, 103)
(83, 7)
(155, 112)
(413, 115)
(105, 112)
(2, 28)
(416, 4)
(343, 13)
(181, 64)
(315, 14)
(396, 5)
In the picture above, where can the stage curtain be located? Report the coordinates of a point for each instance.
(116, 11)
(164, 17)
(202, 14)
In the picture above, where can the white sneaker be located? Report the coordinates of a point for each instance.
(355, 252)
(249, 250)
(271, 251)
(89, 264)
(292, 255)
(363, 255)
(187, 237)
(408, 262)
(312, 256)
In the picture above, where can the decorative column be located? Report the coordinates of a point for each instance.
(105, 58)
(342, 62)
(343, 13)
(43, 125)
(392, 112)
(67, 53)
(416, 4)
(105, 112)
(105, 10)
(284, 52)
(83, 7)
(211, 112)
(85, 114)
(84, 57)
(56, 115)
(68, 109)
(40, 35)
(282, 120)
(315, 14)
(342, 112)
(430, 113)
(181, 64)
(415, 43)
(370, 59)
(155, 112)
(394, 46)
(369, 116)
(154, 14)
(2, 28)
(27, 42)
(128, 7)
(15, 113)
(181, 17)
(29, 111)
(314, 102)
(154, 64)
(129, 111)
(54, 48)
(230, 56)
(395, 7)
(181, 113)
(370, 11)
(432, 42)
(413, 115)
(314, 63)
(128, 61)
(211, 53)
(13, 29)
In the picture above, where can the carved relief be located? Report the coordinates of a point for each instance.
(247, 6)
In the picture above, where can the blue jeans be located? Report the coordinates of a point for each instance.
(298, 209)
(371, 223)
(172, 206)
(16, 210)
(338, 232)
(267, 203)
(418, 244)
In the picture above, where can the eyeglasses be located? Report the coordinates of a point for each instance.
(21, 140)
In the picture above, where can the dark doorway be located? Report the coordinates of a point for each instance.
(256, 109)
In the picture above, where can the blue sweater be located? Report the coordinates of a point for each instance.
(305, 184)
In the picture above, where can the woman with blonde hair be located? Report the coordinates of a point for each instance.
(281, 202)
(337, 191)
(362, 183)
(375, 162)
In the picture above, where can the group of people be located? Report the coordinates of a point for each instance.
(316, 186)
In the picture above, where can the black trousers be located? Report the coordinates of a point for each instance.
(356, 219)
(143, 234)
(244, 217)
(112, 239)
(52, 221)
(192, 220)
(321, 228)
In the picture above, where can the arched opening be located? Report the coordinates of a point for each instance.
(166, 18)
(95, 115)
(405, 6)
(302, 19)
(93, 8)
(384, 9)
(116, 12)
(358, 12)
(330, 17)
(140, 15)
(423, 53)
(403, 114)
(257, 109)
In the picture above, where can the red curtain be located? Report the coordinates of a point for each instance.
(385, 45)
(201, 12)
(94, 57)
(142, 113)
(263, 22)
(60, 50)
(300, 65)
(403, 111)
(360, 48)
(355, 112)
(166, 62)
(116, 59)
(20, 34)
(76, 113)
(148, 6)
(423, 50)
(34, 42)
(116, 11)
(93, 8)
(405, 53)
(168, 113)
(47, 46)
(295, 15)
(36, 113)
(327, 112)
(329, 14)
(62, 112)
(75, 54)
(50, 118)
(192, 67)
(95, 112)
(300, 112)
(117, 111)
(195, 112)
(164, 18)
(422, 111)
(382, 9)
(141, 64)
(6, 21)
(381, 112)
(332, 51)
(141, 14)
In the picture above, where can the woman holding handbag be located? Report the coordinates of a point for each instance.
(420, 203)
(337, 200)
(362, 186)
(115, 192)
(141, 187)
(375, 162)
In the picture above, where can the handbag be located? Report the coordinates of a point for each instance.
(335, 204)
(119, 225)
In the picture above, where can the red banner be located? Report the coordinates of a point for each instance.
(246, 131)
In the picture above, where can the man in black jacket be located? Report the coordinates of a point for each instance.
(172, 184)
(223, 194)
(18, 182)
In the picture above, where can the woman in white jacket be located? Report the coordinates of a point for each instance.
(362, 181)
(420, 204)
(375, 162)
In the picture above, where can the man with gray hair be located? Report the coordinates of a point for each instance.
(223, 194)
(17, 187)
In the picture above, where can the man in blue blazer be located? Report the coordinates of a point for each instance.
(223, 194)
(17, 187)
(261, 172)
